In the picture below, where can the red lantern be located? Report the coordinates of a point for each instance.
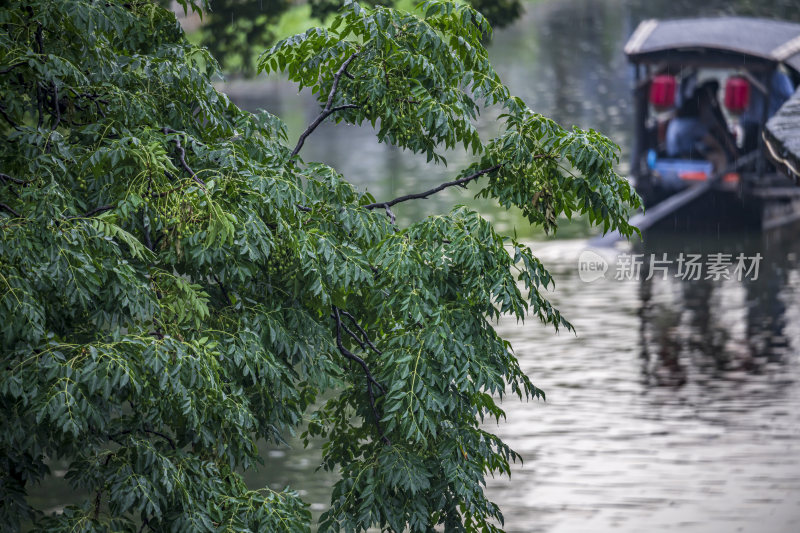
(737, 94)
(662, 91)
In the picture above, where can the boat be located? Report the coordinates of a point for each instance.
(717, 136)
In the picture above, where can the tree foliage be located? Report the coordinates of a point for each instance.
(236, 31)
(176, 283)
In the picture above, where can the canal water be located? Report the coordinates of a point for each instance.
(676, 407)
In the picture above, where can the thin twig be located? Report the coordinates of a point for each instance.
(328, 109)
(95, 211)
(223, 289)
(10, 210)
(363, 333)
(370, 379)
(56, 106)
(6, 177)
(443, 186)
(8, 118)
(182, 157)
(461, 182)
(389, 213)
(10, 68)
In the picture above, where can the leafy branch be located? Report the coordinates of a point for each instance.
(6, 178)
(182, 156)
(95, 211)
(328, 110)
(459, 182)
(220, 326)
(371, 381)
(422, 195)
(11, 210)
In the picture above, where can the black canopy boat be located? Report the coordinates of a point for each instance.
(705, 155)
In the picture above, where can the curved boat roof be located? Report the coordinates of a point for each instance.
(782, 136)
(721, 41)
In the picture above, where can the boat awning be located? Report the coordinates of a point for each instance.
(722, 41)
(782, 136)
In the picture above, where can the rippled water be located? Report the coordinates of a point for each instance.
(675, 408)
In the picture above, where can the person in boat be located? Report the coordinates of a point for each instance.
(694, 132)
(780, 90)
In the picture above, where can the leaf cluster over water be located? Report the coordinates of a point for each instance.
(177, 283)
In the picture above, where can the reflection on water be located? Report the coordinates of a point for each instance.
(674, 409)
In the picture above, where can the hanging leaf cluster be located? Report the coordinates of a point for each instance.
(177, 284)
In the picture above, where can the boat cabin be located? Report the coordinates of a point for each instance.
(705, 89)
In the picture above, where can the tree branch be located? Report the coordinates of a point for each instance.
(390, 214)
(100, 492)
(11, 67)
(145, 430)
(343, 107)
(370, 379)
(363, 333)
(97, 211)
(354, 336)
(461, 182)
(56, 107)
(6, 177)
(443, 186)
(92, 212)
(99, 109)
(328, 109)
(166, 438)
(148, 241)
(223, 289)
(39, 107)
(10, 210)
(8, 118)
(182, 156)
